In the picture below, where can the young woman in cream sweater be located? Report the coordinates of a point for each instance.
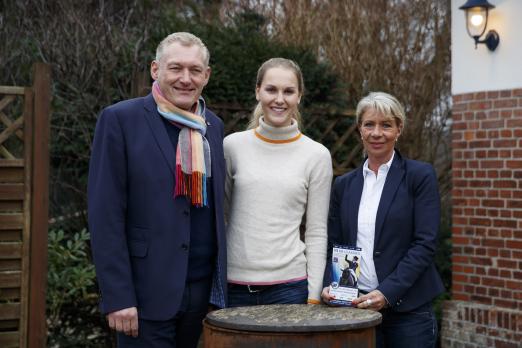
(276, 176)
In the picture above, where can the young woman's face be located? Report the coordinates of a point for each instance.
(279, 96)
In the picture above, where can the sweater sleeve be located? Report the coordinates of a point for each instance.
(229, 181)
(320, 180)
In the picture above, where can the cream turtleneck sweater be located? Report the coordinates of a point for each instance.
(276, 175)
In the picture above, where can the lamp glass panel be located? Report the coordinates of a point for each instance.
(476, 20)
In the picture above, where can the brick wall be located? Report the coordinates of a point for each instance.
(487, 222)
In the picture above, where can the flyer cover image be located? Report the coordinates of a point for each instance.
(346, 263)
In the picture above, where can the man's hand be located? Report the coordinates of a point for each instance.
(124, 320)
(374, 300)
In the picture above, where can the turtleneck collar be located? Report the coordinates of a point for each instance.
(277, 135)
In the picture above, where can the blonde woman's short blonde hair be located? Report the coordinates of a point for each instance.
(384, 103)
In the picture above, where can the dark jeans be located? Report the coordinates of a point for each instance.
(414, 329)
(179, 332)
(286, 293)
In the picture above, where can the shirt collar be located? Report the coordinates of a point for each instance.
(384, 168)
(199, 107)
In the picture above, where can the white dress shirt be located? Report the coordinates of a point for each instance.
(370, 198)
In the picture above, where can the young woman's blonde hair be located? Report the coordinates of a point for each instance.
(276, 63)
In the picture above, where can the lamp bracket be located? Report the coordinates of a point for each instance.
(492, 39)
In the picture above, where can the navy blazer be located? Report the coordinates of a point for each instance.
(406, 230)
(140, 233)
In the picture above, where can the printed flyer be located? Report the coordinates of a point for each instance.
(346, 263)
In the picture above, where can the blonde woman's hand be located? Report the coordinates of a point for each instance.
(373, 300)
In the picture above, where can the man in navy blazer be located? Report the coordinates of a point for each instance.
(160, 260)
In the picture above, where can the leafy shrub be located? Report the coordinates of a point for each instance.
(73, 319)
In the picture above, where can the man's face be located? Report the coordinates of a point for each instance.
(181, 74)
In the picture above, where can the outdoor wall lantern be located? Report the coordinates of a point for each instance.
(477, 21)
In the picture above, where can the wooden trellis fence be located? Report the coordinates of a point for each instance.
(24, 167)
(335, 130)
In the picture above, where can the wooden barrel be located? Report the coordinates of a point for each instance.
(300, 326)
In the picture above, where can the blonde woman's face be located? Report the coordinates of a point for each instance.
(379, 134)
(279, 96)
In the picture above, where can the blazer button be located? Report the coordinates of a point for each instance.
(184, 247)
(377, 253)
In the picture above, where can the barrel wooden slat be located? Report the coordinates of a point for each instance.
(10, 294)
(9, 311)
(216, 337)
(10, 265)
(11, 221)
(10, 235)
(292, 326)
(9, 192)
(10, 250)
(10, 279)
(9, 339)
(12, 175)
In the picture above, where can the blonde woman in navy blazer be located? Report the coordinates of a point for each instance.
(390, 207)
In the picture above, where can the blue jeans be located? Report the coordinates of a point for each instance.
(179, 332)
(414, 329)
(286, 293)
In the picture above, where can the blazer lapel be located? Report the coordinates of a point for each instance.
(211, 138)
(354, 199)
(393, 180)
(159, 132)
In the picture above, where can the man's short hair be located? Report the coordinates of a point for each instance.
(186, 39)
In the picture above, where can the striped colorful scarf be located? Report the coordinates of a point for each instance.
(193, 151)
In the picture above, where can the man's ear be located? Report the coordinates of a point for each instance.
(207, 74)
(154, 67)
